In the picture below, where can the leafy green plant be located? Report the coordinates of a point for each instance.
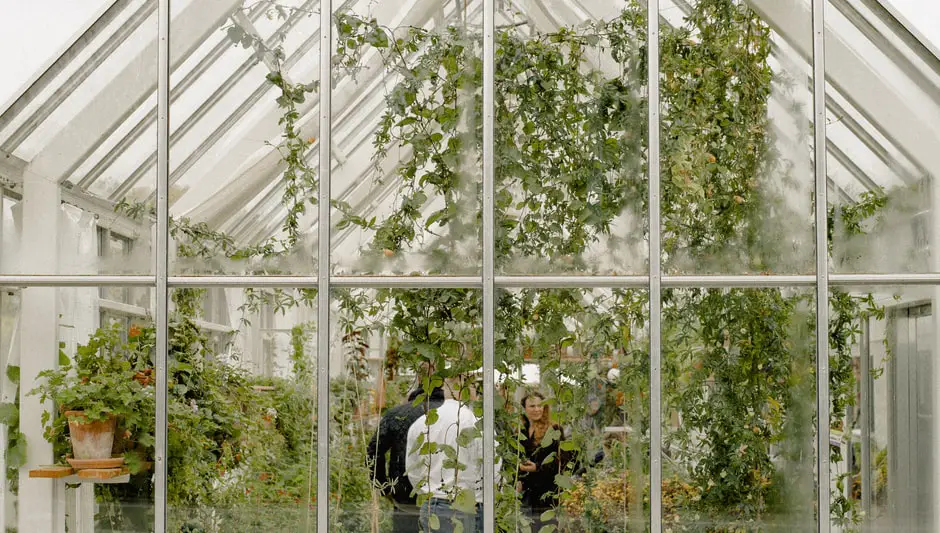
(16, 442)
(108, 377)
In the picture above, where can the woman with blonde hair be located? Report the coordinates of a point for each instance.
(543, 459)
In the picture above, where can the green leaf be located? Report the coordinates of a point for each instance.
(564, 481)
(13, 374)
(551, 436)
(16, 455)
(465, 501)
(9, 414)
(434, 522)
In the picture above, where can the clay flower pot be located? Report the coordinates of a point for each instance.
(90, 440)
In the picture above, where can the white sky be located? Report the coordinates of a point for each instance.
(924, 15)
(32, 32)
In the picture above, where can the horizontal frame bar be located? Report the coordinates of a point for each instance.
(471, 282)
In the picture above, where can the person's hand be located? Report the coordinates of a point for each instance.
(527, 466)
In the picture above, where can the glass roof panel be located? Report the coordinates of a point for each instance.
(218, 130)
(921, 15)
(34, 33)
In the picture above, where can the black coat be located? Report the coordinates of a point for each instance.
(539, 489)
(391, 439)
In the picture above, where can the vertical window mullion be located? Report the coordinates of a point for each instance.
(323, 271)
(655, 267)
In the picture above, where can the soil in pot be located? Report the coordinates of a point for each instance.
(91, 440)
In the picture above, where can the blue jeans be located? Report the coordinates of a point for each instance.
(446, 515)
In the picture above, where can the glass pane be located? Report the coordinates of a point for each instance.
(69, 126)
(573, 409)
(78, 410)
(406, 409)
(883, 147)
(571, 130)
(243, 151)
(737, 174)
(407, 134)
(242, 410)
(883, 430)
(739, 409)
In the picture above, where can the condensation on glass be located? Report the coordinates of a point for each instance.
(78, 161)
(571, 139)
(737, 174)
(407, 138)
(242, 410)
(582, 357)
(68, 349)
(243, 138)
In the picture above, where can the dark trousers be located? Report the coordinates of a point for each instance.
(405, 518)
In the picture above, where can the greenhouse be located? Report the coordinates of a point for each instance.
(523, 266)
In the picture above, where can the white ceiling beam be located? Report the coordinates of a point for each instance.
(54, 69)
(126, 88)
(915, 131)
(254, 175)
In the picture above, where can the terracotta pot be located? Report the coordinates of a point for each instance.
(90, 440)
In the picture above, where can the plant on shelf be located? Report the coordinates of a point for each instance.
(102, 395)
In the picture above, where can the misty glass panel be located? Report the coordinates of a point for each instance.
(572, 410)
(571, 138)
(736, 137)
(78, 76)
(739, 409)
(242, 410)
(883, 147)
(243, 145)
(78, 392)
(883, 432)
(407, 138)
(406, 410)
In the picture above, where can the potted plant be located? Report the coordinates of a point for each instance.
(99, 392)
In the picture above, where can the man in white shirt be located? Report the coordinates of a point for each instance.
(445, 466)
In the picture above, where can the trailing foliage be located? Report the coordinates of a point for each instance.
(571, 196)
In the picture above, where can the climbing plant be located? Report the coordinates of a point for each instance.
(571, 196)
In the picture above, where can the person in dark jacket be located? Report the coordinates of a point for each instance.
(543, 460)
(386, 453)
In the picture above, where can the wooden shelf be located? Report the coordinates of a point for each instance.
(88, 475)
(51, 472)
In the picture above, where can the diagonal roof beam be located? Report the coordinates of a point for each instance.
(52, 71)
(914, 132)
(146, 166)
(150, 118)
(127, 89)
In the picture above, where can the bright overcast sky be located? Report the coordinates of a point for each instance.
(924, 15)
(32, 32)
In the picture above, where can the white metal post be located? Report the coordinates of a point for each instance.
(161, 264)
(323, 270)
(38, 343)
(655, 270)
(489, 262)
(822, 268)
